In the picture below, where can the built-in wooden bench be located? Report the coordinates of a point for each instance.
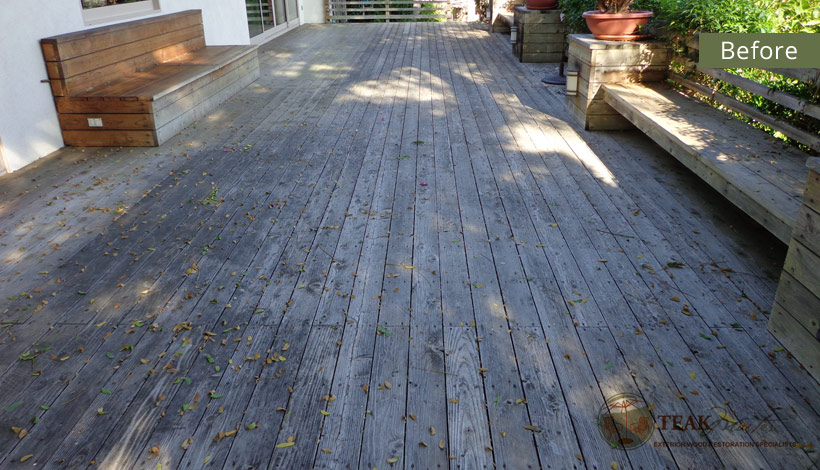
(503, 22)
(139, 83)
(795, 318)
(759, 174)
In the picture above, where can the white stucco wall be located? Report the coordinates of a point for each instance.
(28, 121)
(313, 11)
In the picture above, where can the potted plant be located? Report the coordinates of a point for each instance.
(542, 4)
(613, 20)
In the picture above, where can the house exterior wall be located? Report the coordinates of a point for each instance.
(313, 11)
(29, 128)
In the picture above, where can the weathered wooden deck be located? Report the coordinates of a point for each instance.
(395, 250)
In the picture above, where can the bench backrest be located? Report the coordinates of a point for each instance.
(78, 62)
(798, 105)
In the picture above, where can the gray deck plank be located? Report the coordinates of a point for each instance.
(250, 245)
(513, 445)
(163, 292)
(624, 229)
(746, 409)
(269, 331)
(468, 422)
(724, 251)
(319, 345)
(426, 382)
(621, 271)
(384, 426)
(342, 430)
(619, 322)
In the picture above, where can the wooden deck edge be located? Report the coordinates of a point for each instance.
(103, 30)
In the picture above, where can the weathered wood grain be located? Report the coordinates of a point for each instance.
(523, 298)
(342, 431)
(802, 263)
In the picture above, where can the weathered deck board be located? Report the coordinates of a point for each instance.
(427, 379)
(342, 430)
(400, 203)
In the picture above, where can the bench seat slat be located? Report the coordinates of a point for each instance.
(763, 177)
(156, 82)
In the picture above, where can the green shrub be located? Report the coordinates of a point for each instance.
(684, 17)
(796, 16)
(720, 16)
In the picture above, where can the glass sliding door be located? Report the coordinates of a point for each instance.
(292, 10)
(280, 11)
(254, 17)
(268, 15)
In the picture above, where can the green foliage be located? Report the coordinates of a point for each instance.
(719, 16)
(806, 91)
(573, 9)
(430, 9)
(686, 17)
(795, 16)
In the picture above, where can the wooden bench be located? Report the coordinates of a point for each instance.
(139, 83)
(759, 174)
(795, 318)
(503, 22)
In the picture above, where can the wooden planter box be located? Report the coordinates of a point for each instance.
(600, 62)
(540, 37)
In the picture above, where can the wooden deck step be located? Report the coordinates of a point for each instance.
(758, 174)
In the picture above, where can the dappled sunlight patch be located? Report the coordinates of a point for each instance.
(494, 303)
(407, 78)
(218, 114)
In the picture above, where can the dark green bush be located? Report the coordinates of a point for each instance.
(684, 17)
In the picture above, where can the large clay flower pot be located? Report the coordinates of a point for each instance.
(616, 26)
(542, 4)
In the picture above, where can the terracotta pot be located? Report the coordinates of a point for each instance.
(542, 4)
(616, 26)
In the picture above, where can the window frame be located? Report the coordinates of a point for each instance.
(92, 16)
